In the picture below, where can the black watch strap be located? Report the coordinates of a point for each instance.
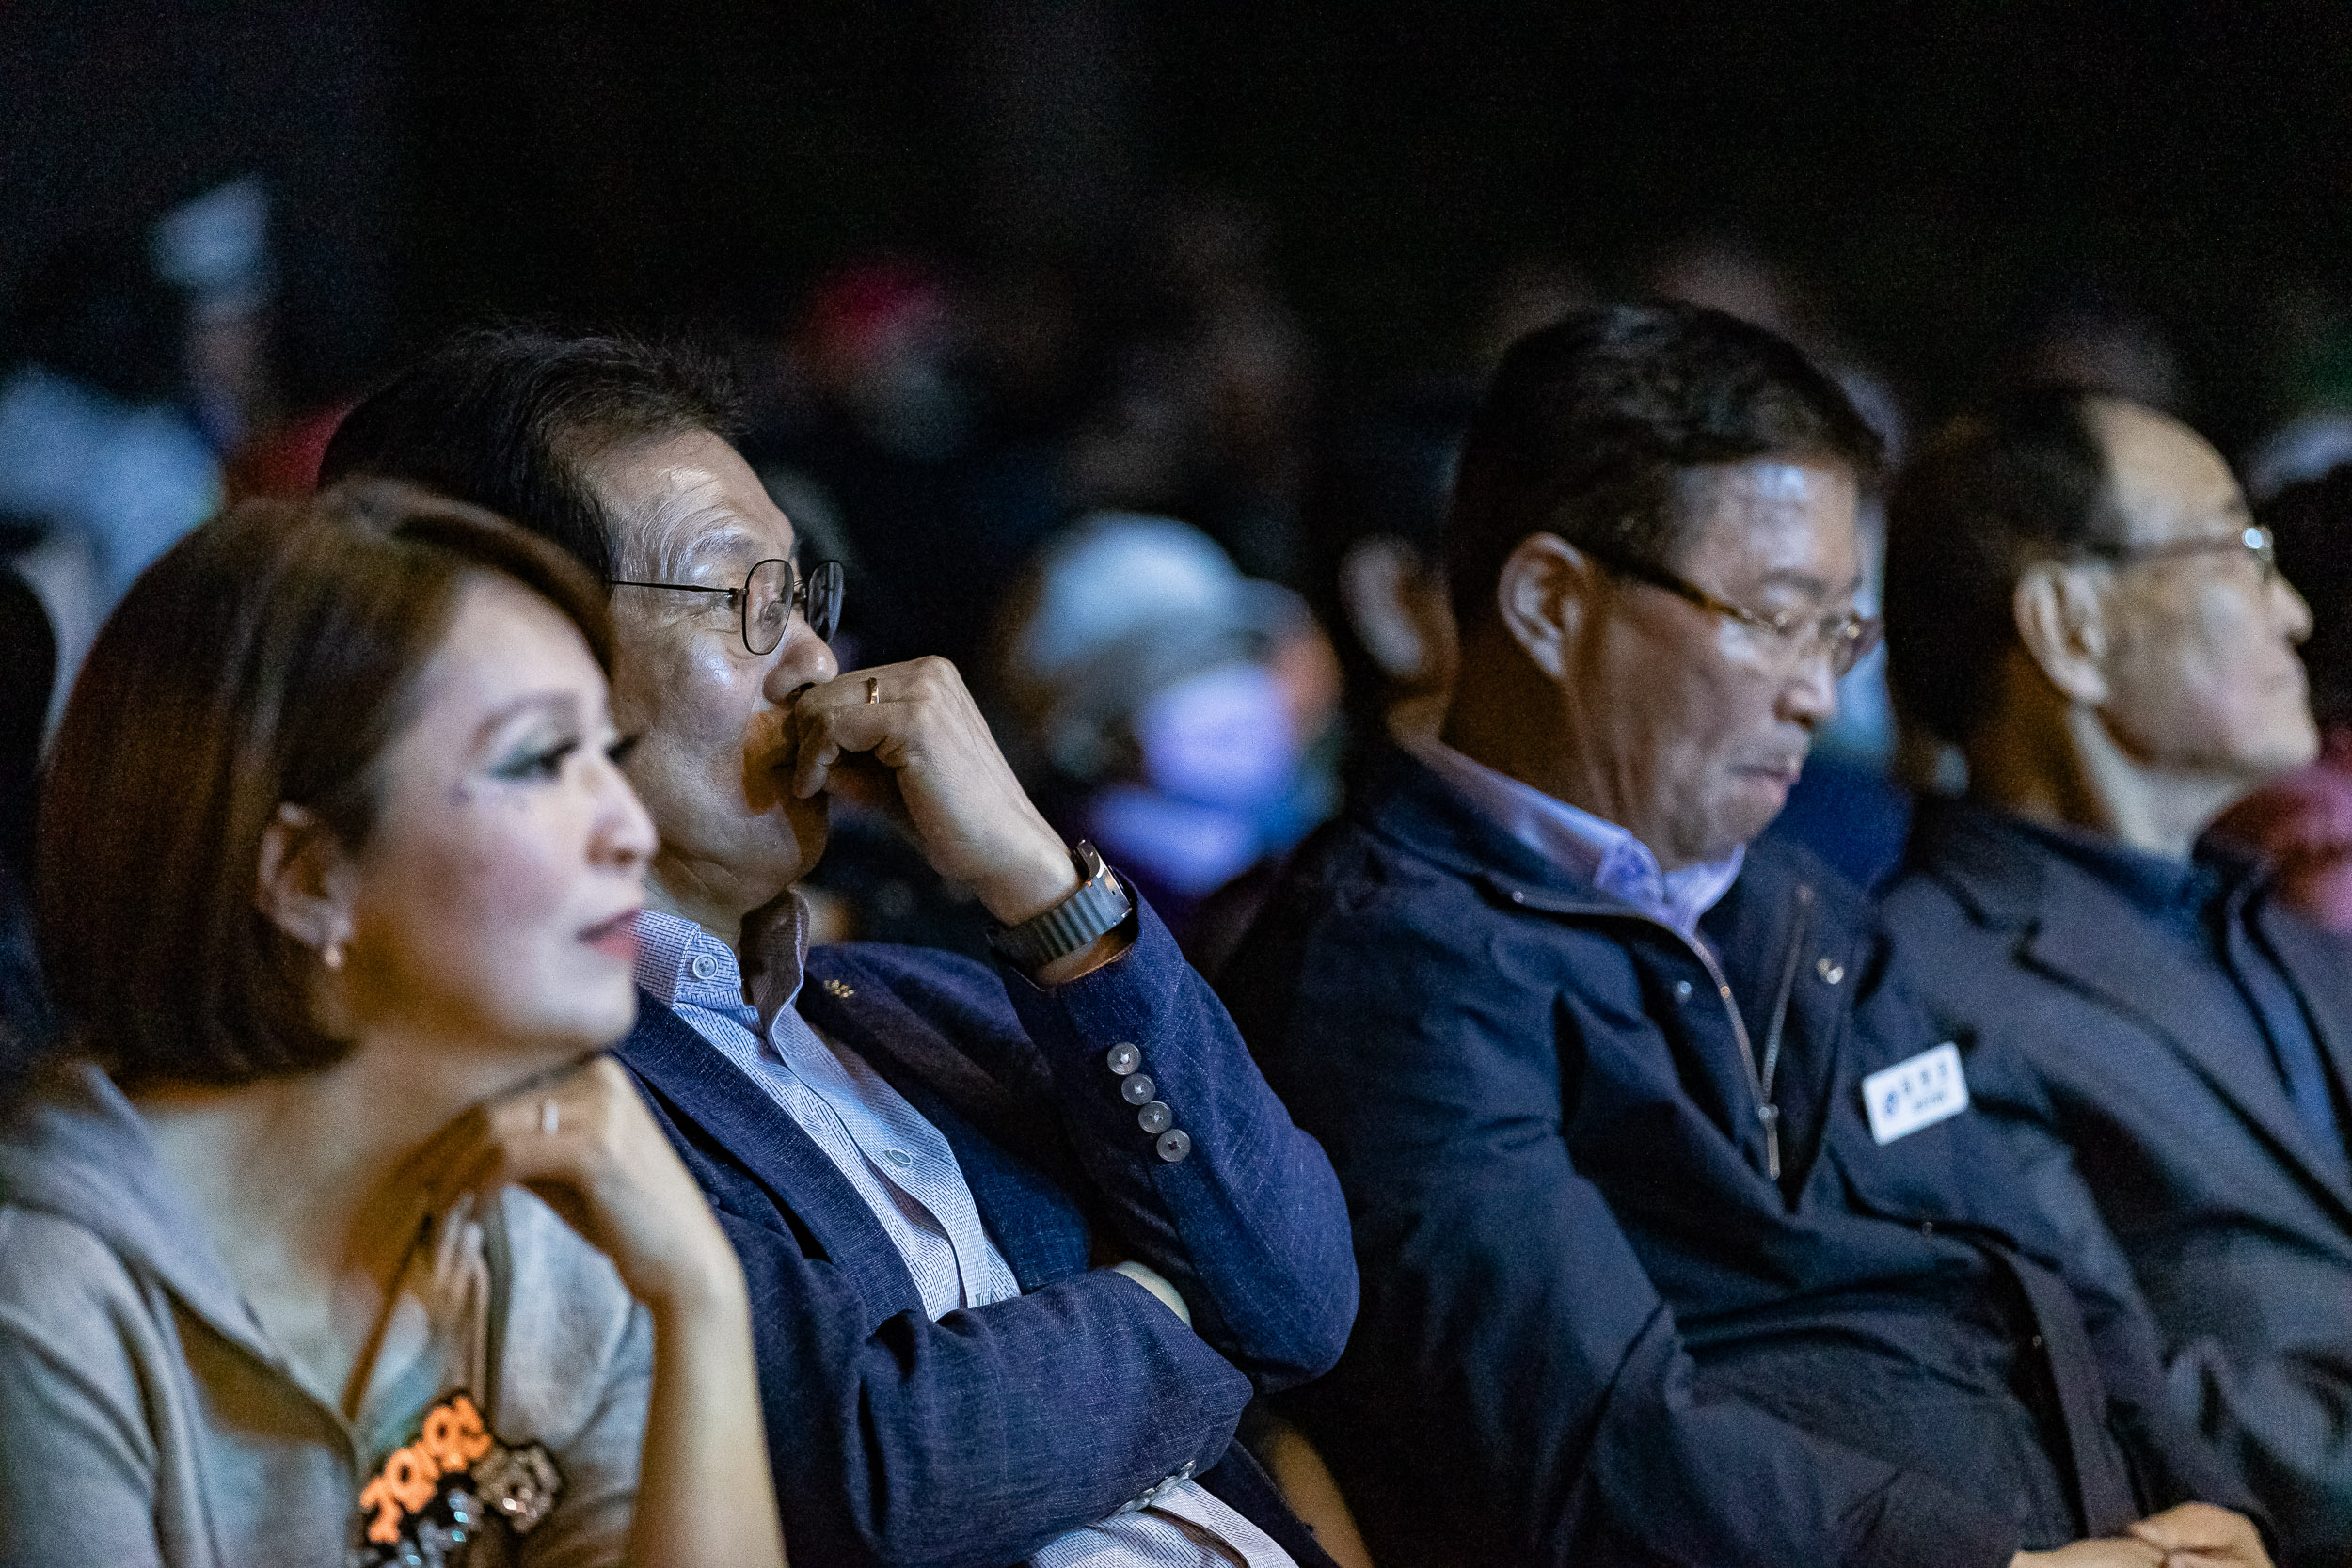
(1099, 906)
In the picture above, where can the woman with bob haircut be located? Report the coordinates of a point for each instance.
(332, 1239)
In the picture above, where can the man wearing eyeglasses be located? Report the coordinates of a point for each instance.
(1021, 1240)
(1679, 1240)
(2084, 607)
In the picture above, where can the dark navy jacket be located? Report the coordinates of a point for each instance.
(2148, 1083)
(1593, 1329)
(972, 1440)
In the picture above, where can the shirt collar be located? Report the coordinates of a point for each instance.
(678, 961)
(1590, 849)
(2158, 885)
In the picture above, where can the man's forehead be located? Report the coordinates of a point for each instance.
(1777, 484)
(1780, 515)
(2167, 480)
(691, 501)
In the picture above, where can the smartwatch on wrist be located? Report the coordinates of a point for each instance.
(1099, 906)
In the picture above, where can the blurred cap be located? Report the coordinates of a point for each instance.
(216, 246)
(2303, 448)
(1116, 611)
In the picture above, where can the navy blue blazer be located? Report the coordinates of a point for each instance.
(970, 1442)
(1595, 1329)
(2145, 1085)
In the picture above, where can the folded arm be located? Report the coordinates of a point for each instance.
(1249, 1222)
(968, 1441)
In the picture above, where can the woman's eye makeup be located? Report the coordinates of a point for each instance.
(618, 753)
(538, 759)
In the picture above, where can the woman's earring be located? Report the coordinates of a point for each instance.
(332, 955)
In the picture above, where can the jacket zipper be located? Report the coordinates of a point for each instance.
(1760, 1071)
(1766, 1109)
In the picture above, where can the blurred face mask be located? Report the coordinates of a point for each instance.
(1221, 739)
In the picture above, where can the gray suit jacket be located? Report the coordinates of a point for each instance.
(2207, 1187)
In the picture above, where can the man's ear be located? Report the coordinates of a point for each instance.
(1542, 598)
(303, 881)
(2062, 619)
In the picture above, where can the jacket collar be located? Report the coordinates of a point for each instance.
(1405, 801)
(1768, 918)
(2001, 869)
(1411, 806)
(1593, 850)
(1040, 1232)
(708, 1091)
(2081, 931)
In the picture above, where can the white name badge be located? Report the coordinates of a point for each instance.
(1918, 1093)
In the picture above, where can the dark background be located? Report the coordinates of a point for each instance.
(1931, 173)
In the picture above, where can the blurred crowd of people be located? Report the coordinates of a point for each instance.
(983, 451)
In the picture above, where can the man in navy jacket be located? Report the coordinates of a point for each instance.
(921, 1160)
(1679, 1242)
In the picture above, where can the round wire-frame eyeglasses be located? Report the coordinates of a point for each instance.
(771, 590)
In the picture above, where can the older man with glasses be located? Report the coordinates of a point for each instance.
(2083, 607)
(1679, 1239)
(1022, 1240)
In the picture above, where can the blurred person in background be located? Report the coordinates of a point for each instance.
(2305, 348)
(335, 1239)
(2084, 335)
(2081, 603)
(1529, 292)
(2305, 447)
(1175, 712)
(909, 432)
(100, 454)
(2301, 824)
(1375, 516)
(873, 434)
(1377, 533)
(1651, 1273)
(214, 250)
(1024, 1237)
(1206, 399)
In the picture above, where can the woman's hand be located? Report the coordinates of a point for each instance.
(585, 1143)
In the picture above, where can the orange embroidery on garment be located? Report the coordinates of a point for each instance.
(454, 1435)
(386, 1526)
(447, 1484)
(404, 1484)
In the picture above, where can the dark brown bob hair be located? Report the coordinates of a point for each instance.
(269, 657)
